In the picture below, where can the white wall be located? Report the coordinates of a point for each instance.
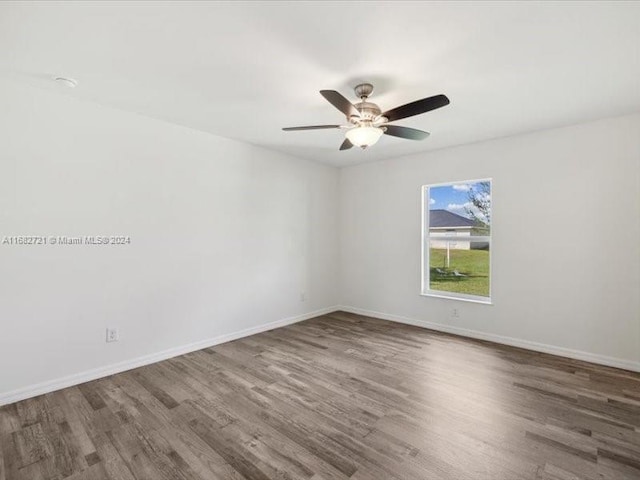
(225, 237)
(580, 293)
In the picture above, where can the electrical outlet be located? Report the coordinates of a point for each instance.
(455, 313)
(303, 296)
(112, 335)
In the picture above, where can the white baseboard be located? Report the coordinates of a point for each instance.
(87, 376)
(514, 342)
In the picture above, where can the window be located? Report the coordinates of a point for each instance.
(456, 240)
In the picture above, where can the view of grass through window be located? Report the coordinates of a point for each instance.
(458, 238)
(472, 265)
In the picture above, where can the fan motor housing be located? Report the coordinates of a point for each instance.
(368, 110)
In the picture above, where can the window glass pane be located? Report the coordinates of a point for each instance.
(460, 209)
(462, 268)
(458, 238)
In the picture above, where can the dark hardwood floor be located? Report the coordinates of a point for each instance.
(336, 397)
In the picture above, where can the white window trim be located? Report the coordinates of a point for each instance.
(424, 282)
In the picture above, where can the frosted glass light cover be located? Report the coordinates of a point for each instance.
(364, 136)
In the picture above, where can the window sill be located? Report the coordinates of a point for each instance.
(466, 298)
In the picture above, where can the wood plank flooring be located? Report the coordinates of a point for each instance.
(337, 397)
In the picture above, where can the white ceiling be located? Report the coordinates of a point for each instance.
(245, 69)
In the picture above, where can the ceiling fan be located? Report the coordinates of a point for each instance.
(367, 123)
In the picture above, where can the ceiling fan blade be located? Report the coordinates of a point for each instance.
(346, 145)
(416, 108)
(310, 127)
(405, 132)
(340, 102)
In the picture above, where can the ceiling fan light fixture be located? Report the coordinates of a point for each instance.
(364, 136)
(367, 122)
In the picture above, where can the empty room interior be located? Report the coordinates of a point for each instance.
(366, 240)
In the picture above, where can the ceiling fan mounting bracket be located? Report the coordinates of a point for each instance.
(363, 90)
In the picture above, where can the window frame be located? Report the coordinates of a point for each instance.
(425, 238)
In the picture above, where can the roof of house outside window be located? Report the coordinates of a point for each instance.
(447, 219)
